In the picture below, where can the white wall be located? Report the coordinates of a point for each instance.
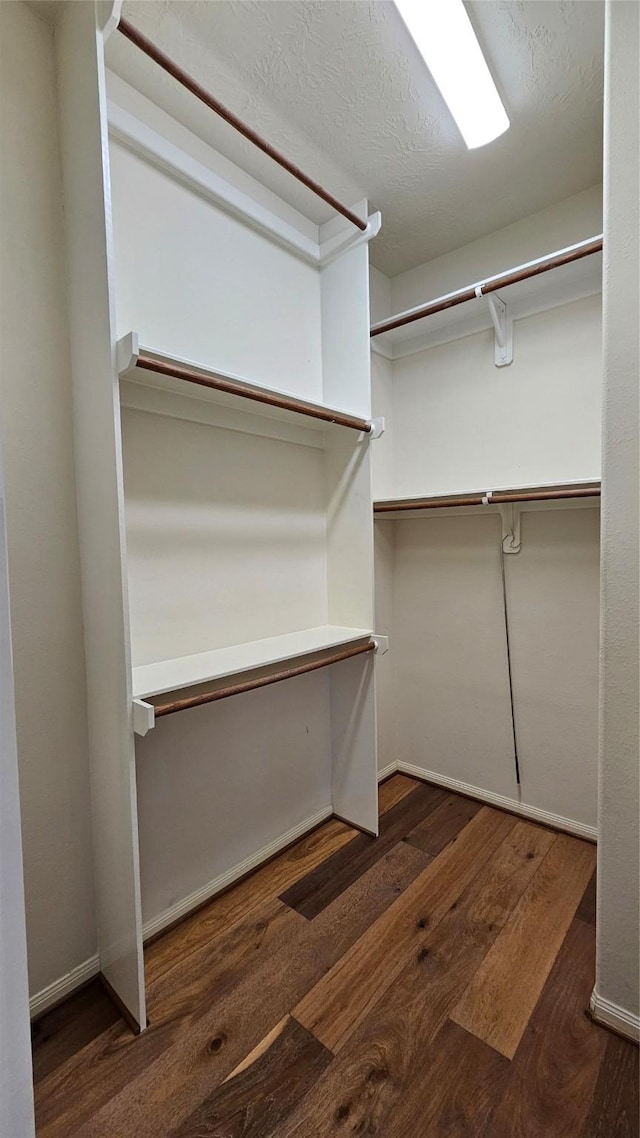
(16, 1092)
(564, 223)
(37, 441)
(219, 783)
(460, 423)
(618, 883)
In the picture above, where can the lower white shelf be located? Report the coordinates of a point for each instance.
(186, 671)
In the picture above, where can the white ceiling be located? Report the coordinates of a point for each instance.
(340, 88)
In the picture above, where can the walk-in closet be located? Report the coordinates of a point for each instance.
(319, 568)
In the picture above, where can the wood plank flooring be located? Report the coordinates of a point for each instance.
(428, 984)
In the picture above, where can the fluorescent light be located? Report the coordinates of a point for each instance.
(444, 37)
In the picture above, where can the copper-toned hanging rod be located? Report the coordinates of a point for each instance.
(256, 394)
(490, 498)
(264, 681)
(522, 273)
(243, 128)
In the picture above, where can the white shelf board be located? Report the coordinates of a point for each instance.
(186, 671)
(241, 404)
(563, 285)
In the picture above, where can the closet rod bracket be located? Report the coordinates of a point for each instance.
(377, 427)
(502, 325)
(382, 644)
(127, 352)
(510, 514)
(144, 716)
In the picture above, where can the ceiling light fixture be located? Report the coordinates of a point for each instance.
(442, 32)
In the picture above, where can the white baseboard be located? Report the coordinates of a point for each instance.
(64, 986)
(206, 892)
(386, 771)
(556, 821)
(611, 1015)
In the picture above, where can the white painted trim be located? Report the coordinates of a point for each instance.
(556, 821)
(387, 771)
(140, 138)
(206, 892)
(63, 986)
(612, 1015)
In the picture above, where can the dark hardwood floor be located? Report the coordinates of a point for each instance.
(429, 984)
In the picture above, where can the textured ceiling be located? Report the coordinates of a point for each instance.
(338, 85)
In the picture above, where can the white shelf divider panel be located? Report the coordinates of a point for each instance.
(186, 671)
(98, 454)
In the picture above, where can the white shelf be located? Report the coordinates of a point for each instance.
(186, 671)
(251, 398)
(568, 283)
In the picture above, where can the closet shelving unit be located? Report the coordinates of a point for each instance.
(225, 505)
(535, 286)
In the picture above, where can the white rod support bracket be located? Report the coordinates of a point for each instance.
(127, 352)
(382, 644)
(144, 716)
(503, 327)
(377, 427)
(510, 514)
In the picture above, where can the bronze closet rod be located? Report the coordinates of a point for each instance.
(243, 128)
(264, 681)
(490, 499)
(523, 273)
(257, 395)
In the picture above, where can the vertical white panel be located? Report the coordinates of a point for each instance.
(385, 532)
(553, 596)
(382, 397)
(353, 734)
(344, 288)
(350, 535)
(100, 502)
(16, 1095)
(617, 979)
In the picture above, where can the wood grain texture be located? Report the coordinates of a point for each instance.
(311, 894)
(399, 1030)
(245, 897)
(554, 1072)
(455, 1092)
(498, 1003)
(341, 999)
(58, 1034)
(615, 1108)
(444, 824)
(397, 953)
(255, 1100)
(587, 907)
(394, 789)
(189, 1055)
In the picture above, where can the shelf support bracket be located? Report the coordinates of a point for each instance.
(503, 327)
(510, 514)
(127, 352)
(144, 716)
(377, 427)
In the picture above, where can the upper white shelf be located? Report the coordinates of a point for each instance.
(186, 671)
(161, 372)
(538, 292)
